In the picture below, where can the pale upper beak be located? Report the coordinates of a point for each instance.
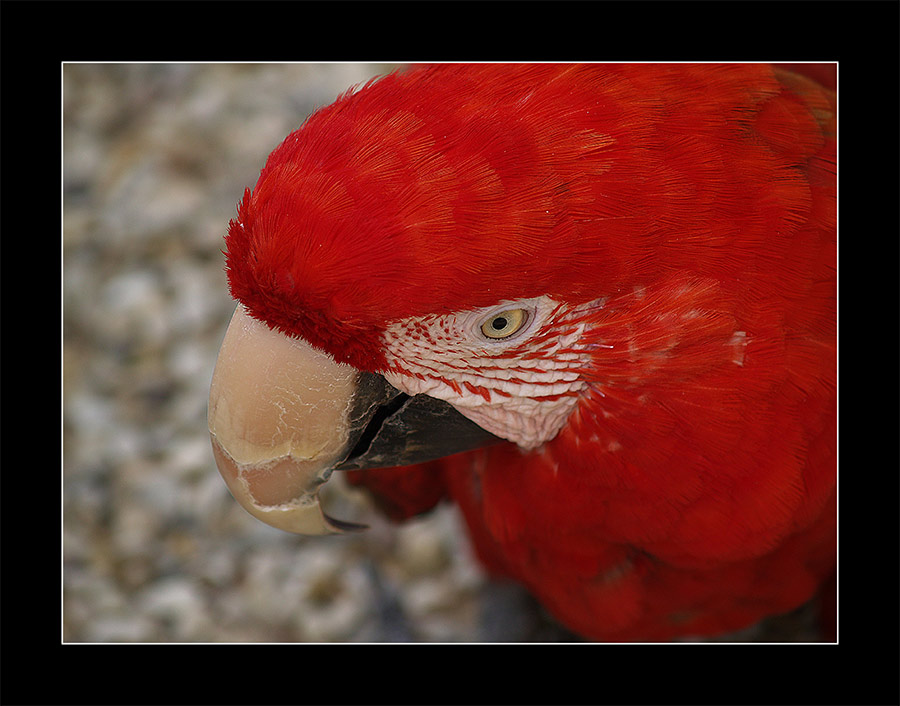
(283, 415)
(278, 421)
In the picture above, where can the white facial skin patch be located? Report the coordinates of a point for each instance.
(515, 369)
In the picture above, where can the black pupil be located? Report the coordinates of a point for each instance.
(499, 323)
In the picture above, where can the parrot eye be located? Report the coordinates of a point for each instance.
(504, 324)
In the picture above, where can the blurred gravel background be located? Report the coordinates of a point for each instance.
(155, 549)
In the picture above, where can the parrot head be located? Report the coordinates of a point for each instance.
(455, 256)
(433, 249)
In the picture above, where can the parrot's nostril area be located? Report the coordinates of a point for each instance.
(375, 423)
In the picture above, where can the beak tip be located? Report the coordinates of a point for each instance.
(342, 526)
(304, 520)
(301, 514)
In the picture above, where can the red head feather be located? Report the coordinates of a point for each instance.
(451, 187)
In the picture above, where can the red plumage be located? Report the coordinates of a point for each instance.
(692, 489)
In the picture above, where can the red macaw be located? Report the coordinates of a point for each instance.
(607, 293)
